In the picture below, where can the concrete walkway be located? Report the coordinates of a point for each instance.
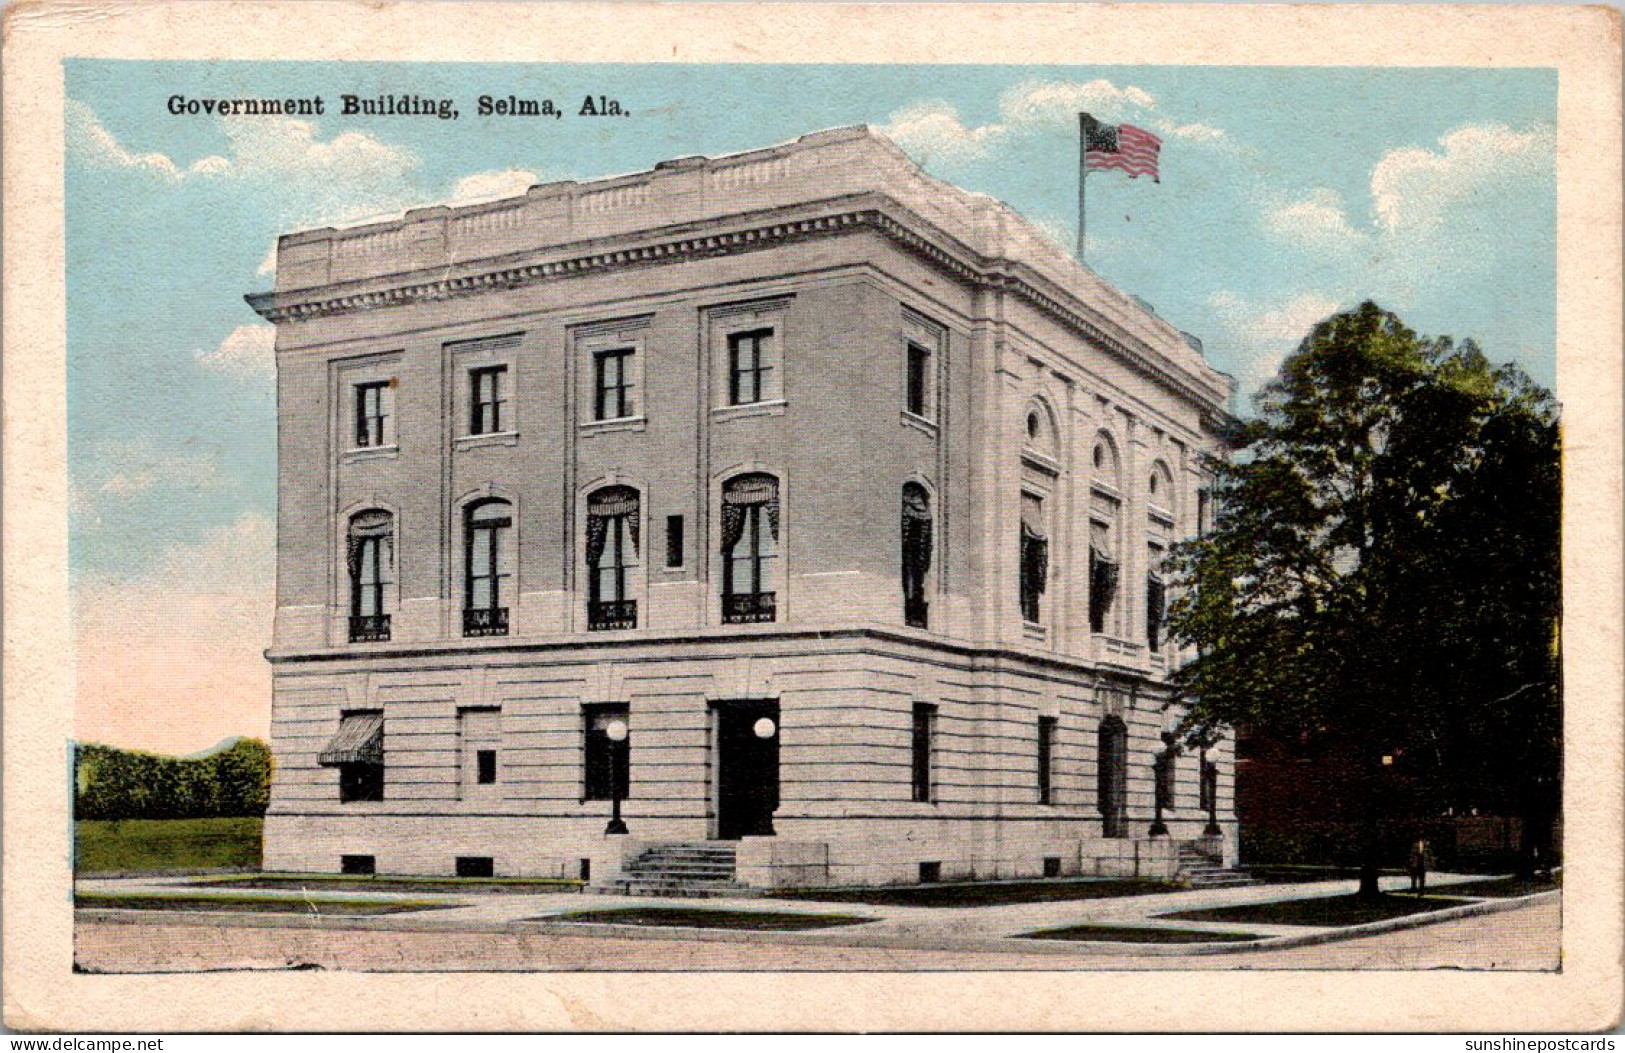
(969, 928)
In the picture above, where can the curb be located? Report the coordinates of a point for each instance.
(842, 936)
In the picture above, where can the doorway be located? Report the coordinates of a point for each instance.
(1112, 754)
(747, 786)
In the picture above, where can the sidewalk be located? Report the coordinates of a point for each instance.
(969, 928)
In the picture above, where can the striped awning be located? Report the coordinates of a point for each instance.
(360, 741)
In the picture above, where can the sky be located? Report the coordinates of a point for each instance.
(1286, 194)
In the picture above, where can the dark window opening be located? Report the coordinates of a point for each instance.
(1163, 772)
(749, 366)
(930, 873)
(1156, 600)
(919, 379)
(1034, 558)
(486, 399)
(1102, 577)
(1208, 788)
(476, 866)
(1046, 758)
(613, 518)
(369, 554)
(1052, 866)
(485, 767)
(361, 781)
(674, 541)
(916, 554)
(370, 414)
(586, 869)
(925, 717)
(612, 384)
(358, 865)
(607, 766)
(750, 534)
(487, 578)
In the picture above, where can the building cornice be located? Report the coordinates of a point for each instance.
(873, 211)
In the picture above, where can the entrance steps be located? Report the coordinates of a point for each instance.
(1200, 867)
(692, 871)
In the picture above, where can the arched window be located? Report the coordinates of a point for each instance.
(916, 554)
(613, 515)
(1160, 497)
(488, 570)
(370, 558)
(1040, 429)
(750, 547)
(1103, 542)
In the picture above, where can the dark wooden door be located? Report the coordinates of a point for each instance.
(747, 769)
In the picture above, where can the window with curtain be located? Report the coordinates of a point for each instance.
(750, 539)
(488, 578)
(613, 518)
(916, 554)
(1156, 599)
(1103, 572)
(370, 557)
(1034, 557)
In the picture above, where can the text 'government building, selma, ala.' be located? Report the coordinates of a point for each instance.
(803, 509)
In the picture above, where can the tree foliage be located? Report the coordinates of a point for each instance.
(111, 783)
(1384, 568)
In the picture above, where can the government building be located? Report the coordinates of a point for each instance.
(794, 512)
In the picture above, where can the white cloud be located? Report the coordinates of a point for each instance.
(935, 129)
(1416, 188)
(1264, 334)
(248, 352)
(90, 141)
(492, 185)
(1317, 220)
(267, 267)
(116, 471)
(172, 660)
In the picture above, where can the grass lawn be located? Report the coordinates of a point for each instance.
(1130, 934)
(392, 883)
(1325, 910)
(249, 904)
(124, 845)
(1498, 888)
(979, 894)
(700, 918)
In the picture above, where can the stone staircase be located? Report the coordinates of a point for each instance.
(702, 870)
(1202, 867)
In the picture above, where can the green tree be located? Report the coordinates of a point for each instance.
(1383, 570)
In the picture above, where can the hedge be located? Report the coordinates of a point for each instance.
(110, 783)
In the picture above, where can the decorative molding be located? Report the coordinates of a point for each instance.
(994, 274)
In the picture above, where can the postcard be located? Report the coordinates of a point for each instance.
(914, 512)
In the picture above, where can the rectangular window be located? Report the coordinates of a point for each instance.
(476, 866)
(358, 865)
(751, 367)
(371, 414)
(613, 384)
(674, 541)
(1046, 757)
(607, 764)
(925, 718)
(487, 399)
(486, 767)
(1034, 558)
(361, 781)
(919, 380)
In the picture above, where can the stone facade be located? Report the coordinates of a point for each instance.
(779, 342)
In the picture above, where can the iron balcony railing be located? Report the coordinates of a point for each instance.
(485, 621)
(612, 614)
(745, 607)
(369, 628)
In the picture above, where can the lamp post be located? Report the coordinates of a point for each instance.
(1210, 781)
(616, 732)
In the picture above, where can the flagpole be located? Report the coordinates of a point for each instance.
(1083, 172)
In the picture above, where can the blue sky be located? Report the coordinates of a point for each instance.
(1285, 194)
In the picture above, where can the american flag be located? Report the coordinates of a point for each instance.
(1123, 146)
